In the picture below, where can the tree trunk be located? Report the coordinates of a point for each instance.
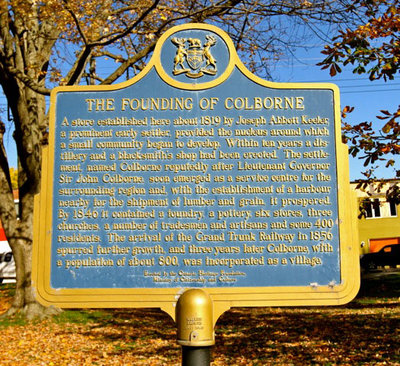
(20, 240)
(24, 297)
(30, 128)
(27, 41)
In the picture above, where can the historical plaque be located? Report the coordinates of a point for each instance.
(195, 174)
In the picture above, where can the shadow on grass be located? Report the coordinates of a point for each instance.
(140, 332)
(365, 335)
(365, 331)
(380, 285)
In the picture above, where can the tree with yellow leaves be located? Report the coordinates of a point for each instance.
(60, 42)
(14, 178)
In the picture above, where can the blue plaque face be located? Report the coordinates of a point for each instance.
(195, 174)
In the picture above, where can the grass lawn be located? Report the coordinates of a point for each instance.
(363, 332)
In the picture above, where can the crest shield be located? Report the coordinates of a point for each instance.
(195, 58)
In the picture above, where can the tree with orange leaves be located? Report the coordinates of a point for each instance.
(371, 48)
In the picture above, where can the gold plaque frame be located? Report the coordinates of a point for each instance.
(222, 298)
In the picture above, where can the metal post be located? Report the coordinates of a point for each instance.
(194, 319)
(196, 356)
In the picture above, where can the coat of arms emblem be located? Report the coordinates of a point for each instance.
(194, 59)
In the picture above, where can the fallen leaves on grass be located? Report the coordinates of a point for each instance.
(356, 334)
(116, 342)
(305, 336)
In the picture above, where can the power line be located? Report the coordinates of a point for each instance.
(363, 86)
(369, 91)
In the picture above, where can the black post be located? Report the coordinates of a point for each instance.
(196, 356)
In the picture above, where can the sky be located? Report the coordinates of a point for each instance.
(367, 97)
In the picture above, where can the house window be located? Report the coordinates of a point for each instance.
(393, 208)
(379, 208)
(372, 207)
